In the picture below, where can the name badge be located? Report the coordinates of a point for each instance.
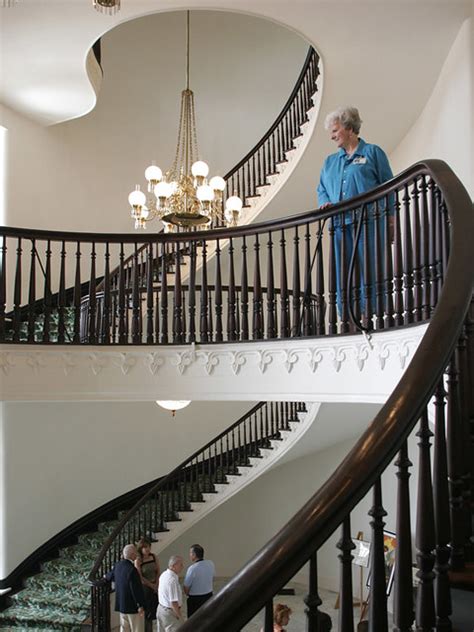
(359, 160)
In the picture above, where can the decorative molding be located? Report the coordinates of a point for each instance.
(310, 353)
(272, 366)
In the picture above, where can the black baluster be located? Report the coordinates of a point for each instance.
(296, 328)
(417, 290)
(467, 472)
(441, 514)
(17, 294)
(244, 294)
(425, 535)
(332, 289)
(377, 600)
(268, 624)
(432, 222)
(122, 330)
(164, 293)
(307, 307)
(177, 298)
(314, 618)
(204, 323)
(343, 272)
(398, 265)
(62, 294)
(92, 303)
(192, 292)
(271, 303)
(218, 296)
(149, 294)
(455, 439)
(377, 267)
(367, 270)
(389, 232)
(284, 300)
(31, 293)
(106, 300)
(47, 294)
(258, 326)
(403, 600)
(407, 258)
(425, 251)
(77, 297)
(232, 331)
(320, 299)
(346, 609)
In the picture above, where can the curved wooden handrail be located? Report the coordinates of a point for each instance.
(437, 169)
(277, 562)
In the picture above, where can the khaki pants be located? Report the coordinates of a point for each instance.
(166, 620)
(131, 623)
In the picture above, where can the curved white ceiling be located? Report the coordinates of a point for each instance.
(394, 47)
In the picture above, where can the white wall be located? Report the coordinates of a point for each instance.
(59, 461)
(445, 128)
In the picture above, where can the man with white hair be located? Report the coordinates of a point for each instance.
(129, 597)
(170, 596)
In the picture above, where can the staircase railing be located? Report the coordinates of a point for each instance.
(293, 259)
(187, 483)
(441, 372)
(424, 274)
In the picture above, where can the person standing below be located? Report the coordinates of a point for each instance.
(170, 596)
(198, 581)
(149, 570)
(354, 169)
(129, 597)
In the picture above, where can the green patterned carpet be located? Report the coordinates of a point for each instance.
(58, 598)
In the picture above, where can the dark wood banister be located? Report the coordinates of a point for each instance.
(277, 562)
(431, 167)
(161, 484)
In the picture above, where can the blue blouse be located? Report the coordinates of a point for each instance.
(343, 177)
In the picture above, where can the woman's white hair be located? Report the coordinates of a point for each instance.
(348, 116)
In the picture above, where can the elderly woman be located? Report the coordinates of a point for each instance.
(355, 168)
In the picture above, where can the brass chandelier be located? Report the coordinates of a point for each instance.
(184, 197)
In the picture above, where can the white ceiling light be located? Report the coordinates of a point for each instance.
(173, 405)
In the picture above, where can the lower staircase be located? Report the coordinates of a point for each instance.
(59, 596)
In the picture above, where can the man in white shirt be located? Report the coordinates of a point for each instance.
(198, 582)
(170, 596)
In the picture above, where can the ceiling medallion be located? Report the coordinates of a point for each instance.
(106, 6)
